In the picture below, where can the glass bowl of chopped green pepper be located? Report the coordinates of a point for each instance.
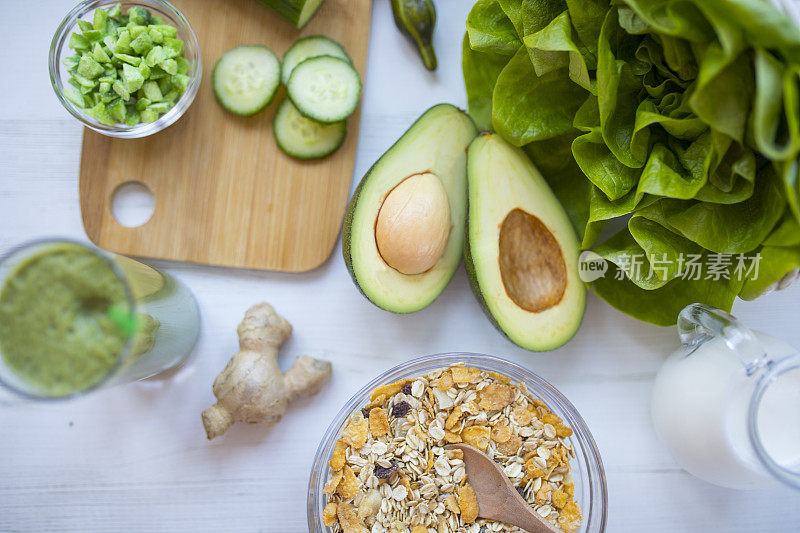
(125, 69)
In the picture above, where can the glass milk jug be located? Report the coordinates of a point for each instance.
(727, 404)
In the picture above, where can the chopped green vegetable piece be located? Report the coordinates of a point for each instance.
(123, 44)
(142, 104)
(180, 82)
(71, 62)
(99, 54)
(117, 110)
(160, 107)
(142, 43)
(121, 91)
(174, 46)
(85, 25)
(115, 11)
(171, 96)
(100, 19)
(155, 56)
(170, 66)
(131, 60)
(136, 31)
(104, 87)
(75, 97)
(146, 71)
(148, 115)
(89, 68)
(85, 90)
(164, 84)
(85, 82)
(156, 36)
(93, 35)
(165, 30)
(183, 65)
(78, 42)
(151, 91)
(100, 112)
(133, 117)
(139, 15)
(155, 21)
(111, 42)
(131, 78)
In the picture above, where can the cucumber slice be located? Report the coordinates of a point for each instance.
(311, 46)
(303, 138)
(246, 79)
(325, 88)
(298, 12)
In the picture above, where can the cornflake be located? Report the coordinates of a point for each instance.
(391, 471)
(329, 514)
(496, 396)
(357, 433)
(333, 483)
(378, 422)
(349, 520)
(477, 436)
(468, 504)
(338, 459)
(463, 374)
(349, 485)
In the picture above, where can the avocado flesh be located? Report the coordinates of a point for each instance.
(437, 142)
(529, 287)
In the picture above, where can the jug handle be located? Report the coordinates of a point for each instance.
(699, 323)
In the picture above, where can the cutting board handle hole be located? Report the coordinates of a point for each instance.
(132, 204)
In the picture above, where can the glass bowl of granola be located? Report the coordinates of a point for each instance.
(382, 465)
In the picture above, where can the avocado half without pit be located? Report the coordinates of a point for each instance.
(403, 233)
(522, 251)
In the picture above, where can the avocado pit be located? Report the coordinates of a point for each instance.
(413, 224)
(532, 266)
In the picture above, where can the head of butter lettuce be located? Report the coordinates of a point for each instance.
(681, 118)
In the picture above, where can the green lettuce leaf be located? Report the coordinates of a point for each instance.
(527, 107)
(780, 256)
(481, 70)
(490, 30)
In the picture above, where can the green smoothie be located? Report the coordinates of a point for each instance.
(56, 328)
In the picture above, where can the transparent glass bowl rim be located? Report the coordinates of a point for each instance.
(595, 511)
(61, 38)
(41, 245)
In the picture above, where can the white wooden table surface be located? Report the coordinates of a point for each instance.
(135, 458)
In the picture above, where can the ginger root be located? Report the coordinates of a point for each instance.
(252, 388)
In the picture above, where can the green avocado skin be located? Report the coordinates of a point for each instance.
(469, 266)
(347, 226)
(347, 230)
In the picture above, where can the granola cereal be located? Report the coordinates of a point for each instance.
(390, 471)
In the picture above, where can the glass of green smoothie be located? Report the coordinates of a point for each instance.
(74, 318)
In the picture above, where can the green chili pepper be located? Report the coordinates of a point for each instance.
(416, 20)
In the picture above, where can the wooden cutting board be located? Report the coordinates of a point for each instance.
(224, 193)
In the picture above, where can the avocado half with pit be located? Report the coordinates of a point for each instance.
(403, 233)
(522, 251)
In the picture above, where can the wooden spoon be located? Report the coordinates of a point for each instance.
(497, 497)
